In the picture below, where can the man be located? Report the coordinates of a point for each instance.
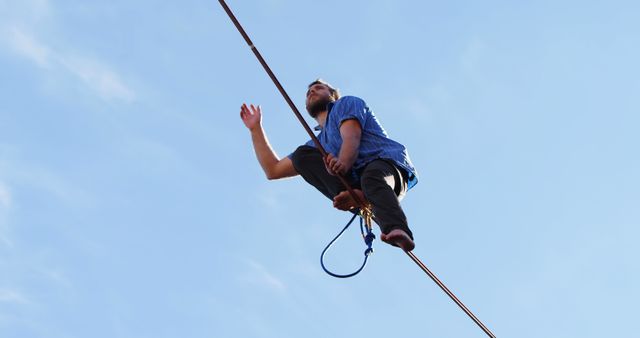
(378, 168)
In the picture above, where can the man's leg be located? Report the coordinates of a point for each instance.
(308, 163)
(384, 185)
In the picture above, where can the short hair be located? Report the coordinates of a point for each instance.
(335, 93)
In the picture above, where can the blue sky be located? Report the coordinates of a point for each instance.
(131, 203)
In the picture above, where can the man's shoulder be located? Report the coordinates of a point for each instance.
(347, 104)
(349, 99)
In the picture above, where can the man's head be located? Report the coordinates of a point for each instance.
(319, 94)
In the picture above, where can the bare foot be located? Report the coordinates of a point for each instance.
(399, 238)
(344, 200)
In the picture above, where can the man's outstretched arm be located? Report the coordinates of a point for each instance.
(272, 166)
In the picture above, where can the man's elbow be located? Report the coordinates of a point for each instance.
(282, 169)
(272, 175)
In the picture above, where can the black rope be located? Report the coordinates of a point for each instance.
(368, 240)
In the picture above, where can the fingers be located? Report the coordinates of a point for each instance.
(255, 110)
(327, 160)
(243, 111)
(334, 165)
(250, 114)
(328, 164)
(337, 166)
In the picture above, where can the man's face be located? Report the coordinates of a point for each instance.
(318, 96)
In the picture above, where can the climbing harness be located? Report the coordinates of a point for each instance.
(357, 198)
(365, 217)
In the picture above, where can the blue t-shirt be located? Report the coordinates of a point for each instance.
(374, 142)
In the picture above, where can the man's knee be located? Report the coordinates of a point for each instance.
(377, 177)
(303, 155)
(373, 179)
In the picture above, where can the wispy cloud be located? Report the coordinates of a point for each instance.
(57, 276)
(35, 175)
(12, 297)
(26, 46)
(261, 275)
(429, 103)
(93, 73)
(5, 205)
(476, 48)
(268, 198)
(28, 11)
(5, 196)
(100, 78)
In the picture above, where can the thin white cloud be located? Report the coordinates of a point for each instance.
(4, 238)
(39, 7)
(268, 198)
(260, 275)
(28, 11)
(5, 196)
(12, 297)
(57, 276)
(26, 46)
(5, 205)
(472, 55)
(56, 185)
(99, 77)
(273, 195)
(36, 176)
(429, 102)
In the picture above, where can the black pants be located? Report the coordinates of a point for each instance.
(382, 183)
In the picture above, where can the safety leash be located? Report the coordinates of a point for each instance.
(369, 237)
(357, 198)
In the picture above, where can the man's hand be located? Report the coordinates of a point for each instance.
(252, 118)
(335, 166)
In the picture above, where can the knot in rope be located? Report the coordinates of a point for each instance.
(367, 215)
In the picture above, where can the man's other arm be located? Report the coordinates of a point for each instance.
(273, 167)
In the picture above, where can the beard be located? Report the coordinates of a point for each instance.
(318, 106)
